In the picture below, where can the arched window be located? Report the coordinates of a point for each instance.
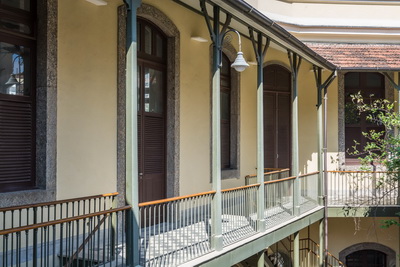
(366, 258)
(371, 86)
(277, 117)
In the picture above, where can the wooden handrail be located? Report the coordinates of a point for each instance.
(155, 202)
(265, 173)
(51, 203)
(308, 174)
(66, 220)
(280, 180)
(239, 188)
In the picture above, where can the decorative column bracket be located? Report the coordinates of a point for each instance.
(216, 37)
(295, 62)
(322, 109)
(215, 34)
(131, 175)
(260, 51)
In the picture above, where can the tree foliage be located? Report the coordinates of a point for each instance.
(382, 148)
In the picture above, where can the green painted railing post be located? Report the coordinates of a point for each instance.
(260, 50)
(35, 239)
(295, 62)
(132, 182)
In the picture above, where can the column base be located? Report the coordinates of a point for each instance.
(261, 225)
(217, 242)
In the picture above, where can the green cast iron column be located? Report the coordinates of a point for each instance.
(216, 241)
(260, 52)
(320, 133)
(260, 137)
(321, 243)
(295, 62)
(261, 259)
(215, 34)
(132, 183)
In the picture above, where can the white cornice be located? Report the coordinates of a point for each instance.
(348, 34)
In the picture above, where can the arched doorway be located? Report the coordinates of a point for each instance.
(366, 258)
(368, 255)
(277, 117)
(152, 74)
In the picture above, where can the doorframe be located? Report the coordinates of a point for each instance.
(159, 19)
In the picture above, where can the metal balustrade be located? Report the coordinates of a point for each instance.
(309, 191)
(362, 188)
(18, 216)
(239, 208)
(172, 231)
(85, 240)
(279, 201)
(175, 230)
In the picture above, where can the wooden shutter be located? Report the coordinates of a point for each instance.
(284, 130)
(154, 144)
(269, 130)
(17, 145)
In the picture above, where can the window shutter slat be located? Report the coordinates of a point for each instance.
(16, 144)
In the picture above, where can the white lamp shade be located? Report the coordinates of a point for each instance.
(240, 64)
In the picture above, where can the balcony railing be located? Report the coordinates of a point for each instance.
(176, 230)
(309, 255)
(362, 188)
(76, 232)
(89, 231)
(18, 216)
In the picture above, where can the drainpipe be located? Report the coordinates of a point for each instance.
(295, 62)
(260, 51)
(131, 178)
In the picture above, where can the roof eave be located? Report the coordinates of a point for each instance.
(244, 10)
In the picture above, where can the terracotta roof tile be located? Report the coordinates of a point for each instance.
(359, 56)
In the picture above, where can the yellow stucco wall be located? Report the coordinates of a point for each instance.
(344, 232)
(86, 104)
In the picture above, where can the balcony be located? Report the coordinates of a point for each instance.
(90, 231)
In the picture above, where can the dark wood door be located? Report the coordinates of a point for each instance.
(151, 112)
(151, 134)
(277, 117)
